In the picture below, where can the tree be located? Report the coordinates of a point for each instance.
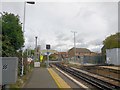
(12, 35)
(112, 41)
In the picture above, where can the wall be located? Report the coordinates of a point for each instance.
(113, 56)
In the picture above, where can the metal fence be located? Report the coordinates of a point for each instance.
(88, 59)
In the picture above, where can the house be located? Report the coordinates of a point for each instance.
(84, 55)
(63, 55)
(79, 52)
(50, 51)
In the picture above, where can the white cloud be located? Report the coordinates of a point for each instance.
(53, 22)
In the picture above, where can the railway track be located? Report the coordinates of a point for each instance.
(89, 79)
(88, 69)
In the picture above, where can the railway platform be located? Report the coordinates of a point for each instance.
(46, 78)
(40, 78)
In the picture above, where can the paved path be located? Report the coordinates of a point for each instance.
(40, 78)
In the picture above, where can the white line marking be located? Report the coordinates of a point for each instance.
(74, 80)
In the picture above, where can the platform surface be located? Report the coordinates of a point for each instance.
(41, 78)
(111, 67)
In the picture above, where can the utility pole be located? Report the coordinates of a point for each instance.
(74, 45)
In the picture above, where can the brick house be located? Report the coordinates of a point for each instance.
(79, 52)
(84, 55)
(63, 55)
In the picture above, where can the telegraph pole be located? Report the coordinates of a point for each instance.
(74, 45)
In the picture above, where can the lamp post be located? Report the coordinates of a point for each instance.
(24, 30)
(36, 48)
(22, 64)
(30, 2)
(74, 45)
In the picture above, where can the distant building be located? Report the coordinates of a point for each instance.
(54, 56)
(63, 55)
(113, 56)
(84, 55)
(50, 51)
(79, 52)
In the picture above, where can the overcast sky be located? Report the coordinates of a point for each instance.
(53, 22)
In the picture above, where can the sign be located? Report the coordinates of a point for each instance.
(48, 53)
(48, 46)
(8, 70)
(41, 58)
(36, 64)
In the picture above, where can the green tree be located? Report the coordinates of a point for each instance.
(12, 35)
(112, 41)
(0, 36)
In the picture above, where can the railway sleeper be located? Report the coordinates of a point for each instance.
(87, 79)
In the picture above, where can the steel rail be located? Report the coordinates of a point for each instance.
(93, 81)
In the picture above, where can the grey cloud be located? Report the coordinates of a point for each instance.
(96, 48)
(82, 45)
(84, 12)
(62, 37)
(95, 42)
(58, 46)
(52, 23)
(80, 41)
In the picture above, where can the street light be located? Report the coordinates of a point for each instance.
(24, 29)
(30, 2)
(74, 45)
(36, 48)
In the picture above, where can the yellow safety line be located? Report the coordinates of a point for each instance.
(60, 82)
(54, 78)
